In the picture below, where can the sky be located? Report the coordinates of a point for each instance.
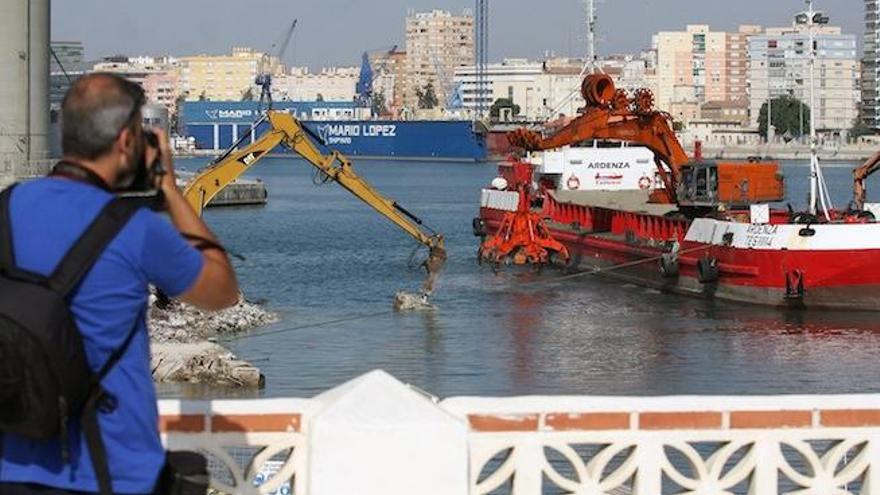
(336, 32)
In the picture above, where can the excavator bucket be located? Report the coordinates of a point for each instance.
(522, 238)
(433, 265)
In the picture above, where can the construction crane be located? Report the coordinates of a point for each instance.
(368, 76)
(264, 80)
(287, 131)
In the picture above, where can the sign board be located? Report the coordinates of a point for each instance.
(760, 214)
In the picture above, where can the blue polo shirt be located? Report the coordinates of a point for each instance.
(48, 216)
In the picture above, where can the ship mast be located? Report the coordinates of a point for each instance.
(818, 190)
(591, 66)
(591, 36)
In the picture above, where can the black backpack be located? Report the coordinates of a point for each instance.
(45, 378)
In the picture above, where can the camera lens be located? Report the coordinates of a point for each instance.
(151, 139)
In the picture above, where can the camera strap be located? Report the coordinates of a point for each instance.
(76, 172)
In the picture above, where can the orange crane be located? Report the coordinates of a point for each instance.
(613, 114)
(861, 174)
(695, 186)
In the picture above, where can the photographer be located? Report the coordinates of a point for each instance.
(106, 150)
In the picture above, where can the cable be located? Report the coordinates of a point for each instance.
(597, 271)
(601, 270)
(60, 65)
(414, 262)
(307, 326)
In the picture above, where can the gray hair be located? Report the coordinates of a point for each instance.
(95, 110)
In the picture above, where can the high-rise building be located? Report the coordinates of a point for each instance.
(779, 65)
(699, 66)
(871, 66)
(692, 68)
(738, 65)
(437, 43)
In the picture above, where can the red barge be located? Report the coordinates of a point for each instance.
(708, 230)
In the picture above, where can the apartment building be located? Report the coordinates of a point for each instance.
(779, 62)
(330, 84)
(692, 68)
(225, 77)
(159, 76)
(437, 43)
(871, 66)
(699, 66)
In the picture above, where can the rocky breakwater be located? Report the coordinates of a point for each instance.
(185, 349)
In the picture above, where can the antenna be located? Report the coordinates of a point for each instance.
(591, 35)
(481, 47)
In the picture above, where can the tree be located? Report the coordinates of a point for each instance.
(247, 95)
(791, 117)
(203, 96)
(175, 123)
(378, 104)
(860, 129)
(427, 97)
(496, 110)
(320, 97)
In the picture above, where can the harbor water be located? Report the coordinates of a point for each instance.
(330, 267)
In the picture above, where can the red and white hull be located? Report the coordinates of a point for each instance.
(779, 264)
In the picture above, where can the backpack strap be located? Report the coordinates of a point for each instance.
(91, 244)
(78, 261)
(97, 401)
(7, 253)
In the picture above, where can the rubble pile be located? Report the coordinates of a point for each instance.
(202, 362)
(404, 301)
(184, 343)
(179, 322)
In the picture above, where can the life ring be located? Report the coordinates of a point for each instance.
(573, 183)
(645, 183)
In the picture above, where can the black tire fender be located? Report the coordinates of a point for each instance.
(669, 265)
(707, 270)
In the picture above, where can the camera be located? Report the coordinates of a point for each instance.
(148, 174)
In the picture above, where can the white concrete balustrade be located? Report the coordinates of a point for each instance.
(375, 435)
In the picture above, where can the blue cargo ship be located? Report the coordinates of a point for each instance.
(216, 125)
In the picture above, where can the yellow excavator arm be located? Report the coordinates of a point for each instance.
(289, 132)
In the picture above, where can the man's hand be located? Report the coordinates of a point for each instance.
(168, 181)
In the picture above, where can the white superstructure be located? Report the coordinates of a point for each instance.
(600, 167)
